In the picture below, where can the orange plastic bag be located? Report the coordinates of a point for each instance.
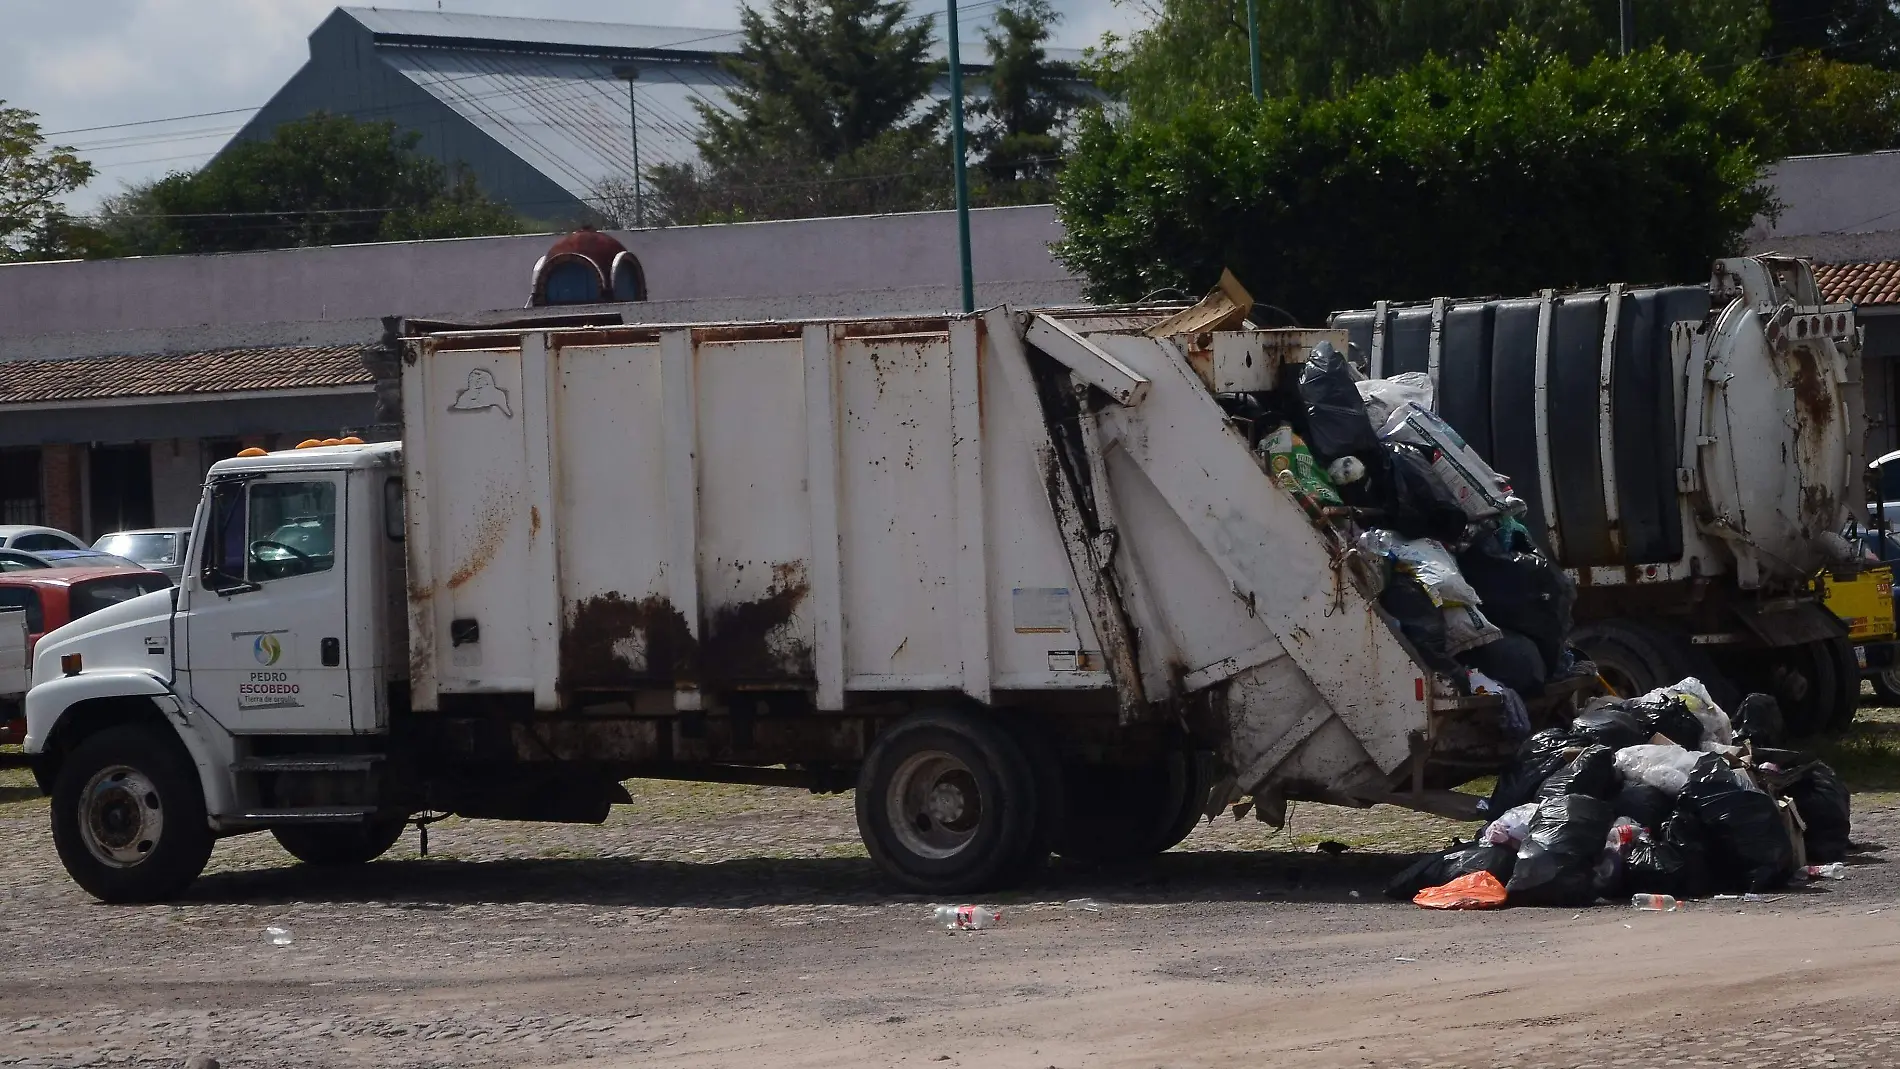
(1480, 890)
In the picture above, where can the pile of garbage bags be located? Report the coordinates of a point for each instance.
(1436, 527)
(1660, 794)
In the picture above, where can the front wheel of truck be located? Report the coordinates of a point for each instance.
(947, 803)
(129, 816)
(339, 845)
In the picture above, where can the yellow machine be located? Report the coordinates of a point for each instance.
(1864, 602)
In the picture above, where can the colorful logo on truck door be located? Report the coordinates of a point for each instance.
(267, 650)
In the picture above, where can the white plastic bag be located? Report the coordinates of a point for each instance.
(1466, 629)
(1383, 396)
(1479, 490)
(1510, 829)
(1716, 727)
(1424, 559)
(1664, 766)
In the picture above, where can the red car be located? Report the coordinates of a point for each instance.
(54, 597)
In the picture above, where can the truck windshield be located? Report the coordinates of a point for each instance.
(95, 594)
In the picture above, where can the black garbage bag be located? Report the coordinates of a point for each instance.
(1415, 502)
(1660, 867)
(1821, 797)
(1422, 622)
(1688, 856)
(1522, 592)
(1758, 720)
(1749, 849)
(1614, 724)
(1556, 865)
(1591, 772)
(1673, 720)
(1461, 860)
(1511, 659)
(1537, 760)
(1336, 420)
(1648, 806)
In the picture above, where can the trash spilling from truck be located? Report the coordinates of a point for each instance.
(1658, 799)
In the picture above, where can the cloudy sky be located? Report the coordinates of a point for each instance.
(99, 72)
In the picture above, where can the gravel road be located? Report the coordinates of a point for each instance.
(727, 926)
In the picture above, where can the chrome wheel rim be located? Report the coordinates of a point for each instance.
(1891, 677)
(120, 816)
(935, 804)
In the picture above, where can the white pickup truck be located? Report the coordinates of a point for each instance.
(1013, 577)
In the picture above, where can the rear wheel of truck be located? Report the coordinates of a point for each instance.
(338, 845)
(1887, 685)
(129, 816)
(947, 803)
(1635, 659)
(1125, 813)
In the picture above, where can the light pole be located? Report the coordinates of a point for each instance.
(630, 74)
(956, 162)
(1253, 48)
(1626, 24)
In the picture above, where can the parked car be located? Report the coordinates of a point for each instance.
(14, 560)
(34, 539)
(162, 549)
(55, 597)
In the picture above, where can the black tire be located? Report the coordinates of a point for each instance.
(1635, 659)
(339, 845)
(1126, 813)
(947, 804)
(1886, 683)
(129, 815)
(1847, 685)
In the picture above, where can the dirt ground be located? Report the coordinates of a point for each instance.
(729, 926)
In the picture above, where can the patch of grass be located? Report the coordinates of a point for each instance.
(1868, 755)
(16, 783)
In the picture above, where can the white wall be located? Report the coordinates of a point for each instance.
(1837, 209)
(177, 472)
(883, 264)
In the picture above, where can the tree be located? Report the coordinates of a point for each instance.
(1196, 50)
(1525, 171)
(1030, 98)
(321, 180)
(33, 178)
(831, 113)
(1812, 105)
(1850, 31)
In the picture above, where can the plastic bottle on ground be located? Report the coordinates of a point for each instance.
(968, 918)
(1834, 871)
(1658, 903)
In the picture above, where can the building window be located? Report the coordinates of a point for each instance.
(21, 497)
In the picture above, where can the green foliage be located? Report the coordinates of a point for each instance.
(32, 179)
(1526, 171)
(1850, 31)
(321, 180)
(830, 116)
(1814, 105)
(1031, 97)
(1196, 50)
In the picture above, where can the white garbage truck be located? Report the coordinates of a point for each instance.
(1016, 578)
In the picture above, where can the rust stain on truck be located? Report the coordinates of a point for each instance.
(491, 530)
(612, 641)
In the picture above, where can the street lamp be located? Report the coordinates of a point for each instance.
(629, 73)
(957, 166)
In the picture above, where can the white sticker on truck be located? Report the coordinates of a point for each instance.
(1041, 610)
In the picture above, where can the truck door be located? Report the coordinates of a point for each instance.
(266, 605)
